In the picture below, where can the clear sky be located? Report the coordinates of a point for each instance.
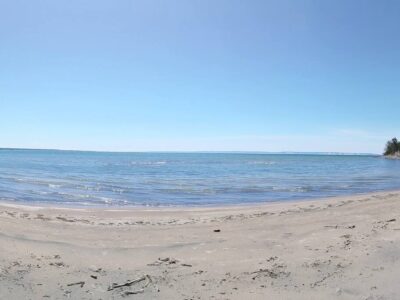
(200, 75)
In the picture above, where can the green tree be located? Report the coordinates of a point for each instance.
(392, 147)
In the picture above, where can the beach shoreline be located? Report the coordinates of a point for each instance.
(24, 205)
(336, 248)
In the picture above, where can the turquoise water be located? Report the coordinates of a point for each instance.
(165, 179)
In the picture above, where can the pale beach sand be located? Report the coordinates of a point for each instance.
(339, 248)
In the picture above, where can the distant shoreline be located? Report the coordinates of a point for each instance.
(200, 152)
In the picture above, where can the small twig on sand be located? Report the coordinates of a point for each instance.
(127, 293)
(81, 283)
(165, 261)
(331, 226)
(186, 265)
(148, 280)
(342, 226)
(129, 283)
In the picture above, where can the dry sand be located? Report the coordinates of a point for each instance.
(339, 248)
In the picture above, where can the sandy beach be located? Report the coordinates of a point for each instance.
(338, 248)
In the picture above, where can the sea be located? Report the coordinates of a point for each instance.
(105, 179)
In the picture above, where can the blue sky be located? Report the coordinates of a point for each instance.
(200, 75)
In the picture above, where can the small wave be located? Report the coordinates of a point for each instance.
(187, 190)
(250, 190)
(50, 184)
(267, 163)
(148, 163)
(294, 189)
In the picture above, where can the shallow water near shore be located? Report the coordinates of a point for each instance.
(186, 179)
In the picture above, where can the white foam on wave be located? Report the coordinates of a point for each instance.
(54, 186)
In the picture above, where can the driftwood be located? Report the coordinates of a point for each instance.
(129, 283)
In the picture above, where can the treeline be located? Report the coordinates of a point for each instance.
(392, 147)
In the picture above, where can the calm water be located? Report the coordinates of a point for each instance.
(89, 178)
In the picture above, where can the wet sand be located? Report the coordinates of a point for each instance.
(338, 248)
